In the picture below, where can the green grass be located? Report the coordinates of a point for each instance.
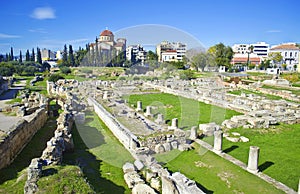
(279, 151)
(189, 112)
(214, 174)
(101, 156)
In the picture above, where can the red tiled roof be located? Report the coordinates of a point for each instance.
(285, 47)
(106, 33)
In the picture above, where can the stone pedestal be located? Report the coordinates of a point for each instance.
(139, 106)
(160, 119)
(148, 111)
(299, 187)
(105, 95)
(218, 138)
(253, 159)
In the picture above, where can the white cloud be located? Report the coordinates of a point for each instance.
(8, 36)
(273, 31)
(42, 13)
(38, 30)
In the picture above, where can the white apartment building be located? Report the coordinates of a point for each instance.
(259, 48)
(289, 53)
(136, 53)
(167, 51)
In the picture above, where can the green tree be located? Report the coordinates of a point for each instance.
(11, 54)
(54, 77)
(71, 60)
(39, 56)
(200, 61)
(32, 58)
(65, 69)
(222, 54)
(20, 57)
(151, 56)
(65, 56)
(284, 66)
(27, 56)
(276, 57)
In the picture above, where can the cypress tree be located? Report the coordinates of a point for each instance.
(71, 59)
(6, 57)
(20, 58)
(11, 54)
(27, 56)
(65, 56)
(32, 56)
(39, 55)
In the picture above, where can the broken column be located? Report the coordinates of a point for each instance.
(174, 124)
(193, 134)
(218, 137)
(148, 111)
(253, 159)
(139, 106)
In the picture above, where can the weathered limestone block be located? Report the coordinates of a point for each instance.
(132, 178)
(174, 124)
(174, 144)
(148, 112)
(167, 147)
(128, 167)
(160, 119)
(159, 148)
(244, 139)
(143, 189)
(253, 159)
(209, 128)
(168, 186)
(138, 164)
(150, 175)
(185, 185)
(155, 183)
(258, 122)
(229, 124)
(193, 134)
(139, 106)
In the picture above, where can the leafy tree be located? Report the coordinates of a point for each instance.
(27, 56)
(284, 66)
(20, 57)
(65, 55)
(39, 55)
(32, 58)
(200, 61)
(187, 74)
(276, 57)
(71, 60)
(151, 56)
(222, 54)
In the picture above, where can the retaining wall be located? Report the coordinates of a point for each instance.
(126, 137)
(19, 136)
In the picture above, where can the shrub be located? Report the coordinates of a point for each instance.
(55, 77)
(65, 70)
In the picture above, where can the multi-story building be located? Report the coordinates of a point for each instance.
(251, 58)
(167, 51)
(136, 53)
(47, 55)
(289, 53)
(259, 48)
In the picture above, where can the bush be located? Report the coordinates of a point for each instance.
(55, 77)
(65, 70)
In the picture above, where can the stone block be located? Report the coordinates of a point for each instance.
(159, 148)
(167, 147)
(174, 144)
(209, 128)
(142, 189)
(128, 167)
(138, 164)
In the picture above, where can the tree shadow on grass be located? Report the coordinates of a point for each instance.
(265, 165)
(90, 166)
(230, 149)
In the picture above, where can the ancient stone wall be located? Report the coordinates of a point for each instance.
(128, 139)
(19, 135)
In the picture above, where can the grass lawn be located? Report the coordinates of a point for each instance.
(100, 155)
(189, 112)
(214, 174)
(279, 151)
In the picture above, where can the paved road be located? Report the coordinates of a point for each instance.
(8, 121)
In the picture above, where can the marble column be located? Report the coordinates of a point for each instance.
(253, 159)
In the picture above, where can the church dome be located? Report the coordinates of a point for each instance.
(106, 33)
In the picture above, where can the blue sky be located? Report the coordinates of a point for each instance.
(51, 24)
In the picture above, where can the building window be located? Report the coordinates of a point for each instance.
(285, 54)
(295, 54)
(291, 54)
